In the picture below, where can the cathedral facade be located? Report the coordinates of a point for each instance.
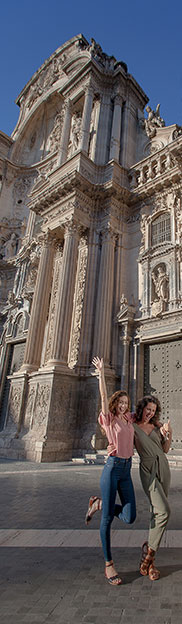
(90, 254)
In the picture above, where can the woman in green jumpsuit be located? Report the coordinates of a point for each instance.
(152, 441)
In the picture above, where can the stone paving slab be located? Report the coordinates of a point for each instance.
(62, 586)
(48, 582)
(50, 538)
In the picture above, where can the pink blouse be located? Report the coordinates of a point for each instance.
(119, 434)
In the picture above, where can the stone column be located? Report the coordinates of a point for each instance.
(65, 133)
(64, 308)
(92, 151)
(128, 142)
(117, 295)
(86, 117)
(103, 138)
(104, 304)
(40, 307)
(116, 128)
(30, 224)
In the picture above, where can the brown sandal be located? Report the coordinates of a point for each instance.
(154, 574)
(147, 563)
(111, 579)
(95, 504)
(145, 560)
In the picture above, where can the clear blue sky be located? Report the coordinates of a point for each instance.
(146, 35)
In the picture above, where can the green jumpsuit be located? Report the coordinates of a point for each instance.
(155, 478)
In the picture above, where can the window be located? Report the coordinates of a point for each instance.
(161, 229)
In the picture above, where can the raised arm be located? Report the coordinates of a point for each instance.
(99, 365)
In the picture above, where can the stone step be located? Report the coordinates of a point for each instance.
(100, 457)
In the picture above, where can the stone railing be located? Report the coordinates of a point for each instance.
(150, 169)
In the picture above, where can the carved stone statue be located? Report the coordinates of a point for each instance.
(100, 56)
(56, 132)
(10, 246)
(161, 284)
(75, 133)
(153, 121)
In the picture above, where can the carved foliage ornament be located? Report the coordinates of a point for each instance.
(53, 303)
(78, 304)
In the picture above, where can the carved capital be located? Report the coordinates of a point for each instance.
(72, 228)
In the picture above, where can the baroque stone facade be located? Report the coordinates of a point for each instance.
(90, 253)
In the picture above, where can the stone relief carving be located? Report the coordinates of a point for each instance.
(41, 405)
(29, 286)
(21, 189)
(78, 304)
(48, 76)
(161, 289)
(153, 121)
(30, 406)
(53, 303)
(14, 404)
(178, 220)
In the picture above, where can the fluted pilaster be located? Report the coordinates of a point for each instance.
(103, 315)
(128, 142)
(86, 118)
(66, 286)
(88, 312)
(40, 306)
(116, 129)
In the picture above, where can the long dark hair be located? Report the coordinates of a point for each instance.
(143, 403)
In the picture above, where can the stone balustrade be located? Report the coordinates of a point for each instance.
(151, 169)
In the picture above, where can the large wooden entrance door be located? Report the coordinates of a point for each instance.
(163, 378)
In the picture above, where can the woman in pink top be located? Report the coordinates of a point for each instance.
(116, 421)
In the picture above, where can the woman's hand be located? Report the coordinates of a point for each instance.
(98, 363)
(110, 448)
(166, 430)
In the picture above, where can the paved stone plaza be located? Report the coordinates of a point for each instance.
(51, 564)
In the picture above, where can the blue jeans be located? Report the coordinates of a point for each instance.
(115, 478)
